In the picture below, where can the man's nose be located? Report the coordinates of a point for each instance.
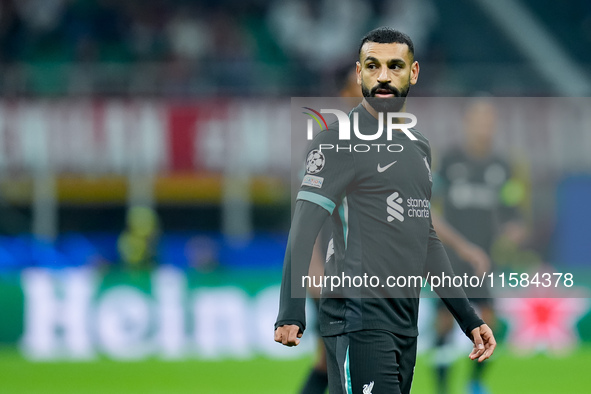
(384, 76)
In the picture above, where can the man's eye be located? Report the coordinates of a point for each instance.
(371, 66)
(395, 67)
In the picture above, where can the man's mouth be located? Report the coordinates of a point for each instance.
(384, 93)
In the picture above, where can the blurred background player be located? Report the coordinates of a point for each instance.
(470, 185)
(138, 243)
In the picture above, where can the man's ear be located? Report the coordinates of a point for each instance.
(358, 71)
(414, 72)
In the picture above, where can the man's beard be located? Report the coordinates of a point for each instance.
(385, 104)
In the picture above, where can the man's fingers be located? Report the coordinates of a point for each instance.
(478, 344)
(292, 338)
(475, 353)
(482, 261)
(288, 335)
(484, 343)
(476, 257)
(491, 344)
(487, 353)
(489, 337)
(490, 348)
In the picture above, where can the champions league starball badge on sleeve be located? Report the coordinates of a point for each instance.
(315, 162)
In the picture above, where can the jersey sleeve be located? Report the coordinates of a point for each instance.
(329, 170)
(453, 297)
(306, 224)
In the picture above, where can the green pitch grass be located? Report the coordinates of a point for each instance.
(508, 374)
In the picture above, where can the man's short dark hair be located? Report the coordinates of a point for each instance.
(387, 35)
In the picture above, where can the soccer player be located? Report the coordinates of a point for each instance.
(471, 182)
(378, 202)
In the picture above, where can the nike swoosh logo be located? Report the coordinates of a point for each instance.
(382, 169)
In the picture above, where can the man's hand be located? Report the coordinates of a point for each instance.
(288, 335)
(475, 256)
(484, 343)
(464, 248)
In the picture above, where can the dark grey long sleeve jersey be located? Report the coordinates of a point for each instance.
(377, 196)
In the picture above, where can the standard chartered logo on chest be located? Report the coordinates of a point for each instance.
(395, 210)
(415, 207)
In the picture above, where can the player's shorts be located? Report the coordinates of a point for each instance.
(370, 361)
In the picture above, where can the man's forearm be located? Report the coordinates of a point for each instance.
(306, 224)
(447, 234)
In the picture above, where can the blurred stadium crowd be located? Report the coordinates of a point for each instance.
(257, 47)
